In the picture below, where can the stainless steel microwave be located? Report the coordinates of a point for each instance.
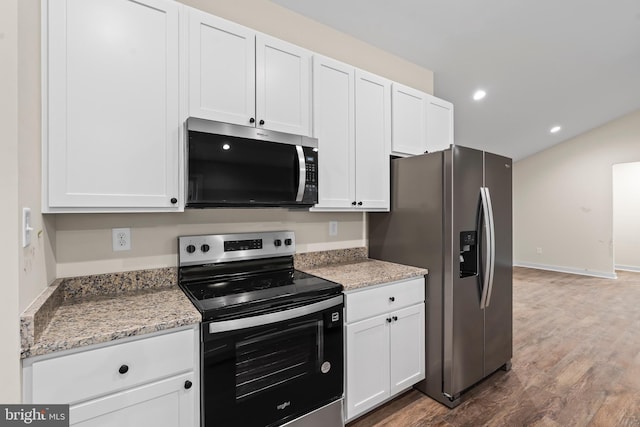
(239, 166)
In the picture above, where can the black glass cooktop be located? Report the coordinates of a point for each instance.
(221, 292)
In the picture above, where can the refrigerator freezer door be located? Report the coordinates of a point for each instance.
(498, 313)
(463, 317)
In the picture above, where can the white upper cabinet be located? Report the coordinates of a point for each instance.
(222, 83)
(333, 120)
(237, 75)
(111, 105)
(373, 141)
(352, 121)
(409, 115)
(283, 86)
(439, 124)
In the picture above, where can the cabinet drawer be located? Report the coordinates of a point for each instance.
(371, 302)
(81, 376)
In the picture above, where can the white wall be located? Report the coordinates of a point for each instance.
(83, 243)
(9, 330)
(563, 201)
(626, 216)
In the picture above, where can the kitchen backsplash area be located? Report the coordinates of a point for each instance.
(83, 242)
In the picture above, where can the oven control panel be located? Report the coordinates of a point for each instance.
(214, 248)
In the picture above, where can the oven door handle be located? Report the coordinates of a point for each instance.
(278, 316)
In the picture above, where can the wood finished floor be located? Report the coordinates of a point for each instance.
(576, 361)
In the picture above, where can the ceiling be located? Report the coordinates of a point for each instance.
(572, 63)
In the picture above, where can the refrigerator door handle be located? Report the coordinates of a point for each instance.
(487, 251)
(492, 246)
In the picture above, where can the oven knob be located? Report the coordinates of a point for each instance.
(287, 242)
(191, 249)
(277, 243)
(204, 248)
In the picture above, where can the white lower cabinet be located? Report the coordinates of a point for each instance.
(165, 403)
(384, 343)
(150, 381)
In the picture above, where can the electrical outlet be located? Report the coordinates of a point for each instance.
(538, 250)
(333, 228)
(121, 239)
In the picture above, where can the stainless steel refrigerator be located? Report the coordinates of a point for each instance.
(451, 213)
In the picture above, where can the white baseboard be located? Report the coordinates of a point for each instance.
(569, 270)
(628, 268)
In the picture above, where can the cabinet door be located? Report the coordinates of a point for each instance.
(409, 121)
(221, 69)
(407, 347)
(113, 106)
(439, 124)
(164, 403)
(333, 114)
(283, 86)
(373, 140)
(367, 350)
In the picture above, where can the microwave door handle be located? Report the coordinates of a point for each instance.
(302, 173)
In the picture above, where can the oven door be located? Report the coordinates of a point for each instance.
(267, 370)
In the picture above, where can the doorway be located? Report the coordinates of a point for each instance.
(626, 216)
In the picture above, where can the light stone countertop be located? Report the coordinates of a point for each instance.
(78, 312)
(358, 271)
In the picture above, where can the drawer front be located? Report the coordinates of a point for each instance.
(81, 376)
(382, 299)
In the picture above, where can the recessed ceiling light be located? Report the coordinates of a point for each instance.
(226, 146)
(555, 129)
(479, 94)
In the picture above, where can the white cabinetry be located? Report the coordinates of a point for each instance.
(373, 141)
(148, 381)
(439, 124)
(222, 83)
(334, 126)
(409, 115)
(421, 122)
(111, 105)
(384, 343)
(352, 121)
(283, 86)
(239, 76)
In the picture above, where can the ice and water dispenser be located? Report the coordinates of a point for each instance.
(468, 253)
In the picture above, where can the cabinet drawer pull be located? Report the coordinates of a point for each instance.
(359, 203)
(252, 120)
(187, 384)
(392, 299)
(123, 369)
(353, 203)
(388, 320)
(174, 200)
(395, 318)
(261, 122)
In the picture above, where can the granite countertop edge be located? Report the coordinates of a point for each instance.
(81, 311)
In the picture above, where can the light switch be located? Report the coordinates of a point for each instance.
(26, 227)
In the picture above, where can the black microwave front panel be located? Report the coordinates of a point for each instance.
(232, 171)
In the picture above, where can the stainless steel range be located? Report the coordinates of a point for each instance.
(272, 336)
